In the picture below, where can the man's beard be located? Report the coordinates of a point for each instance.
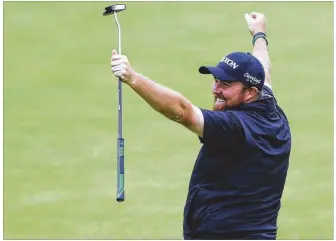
(223, 105)
(219, 105)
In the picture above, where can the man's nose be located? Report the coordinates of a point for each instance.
(215, 88)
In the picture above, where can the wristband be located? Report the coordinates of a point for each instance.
(259, 35)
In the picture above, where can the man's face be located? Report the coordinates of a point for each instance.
(228, 94)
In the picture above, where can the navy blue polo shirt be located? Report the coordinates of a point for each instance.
(240, 172)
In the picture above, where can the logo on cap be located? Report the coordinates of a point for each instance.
(251, 79)
(229, 62)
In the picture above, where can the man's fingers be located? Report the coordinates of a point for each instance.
(256, 15)
(115, 57)
(116, 68)
(117, 62)
(119, 74)
(252, 16)
(119, 57)
(120, 66)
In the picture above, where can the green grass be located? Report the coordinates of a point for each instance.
(60, 114)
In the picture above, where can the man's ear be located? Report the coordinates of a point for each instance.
(251, 93)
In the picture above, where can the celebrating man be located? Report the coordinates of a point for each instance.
(240, 171)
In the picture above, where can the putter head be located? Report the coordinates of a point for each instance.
(114, 9)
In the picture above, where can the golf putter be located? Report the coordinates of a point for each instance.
(114, 9)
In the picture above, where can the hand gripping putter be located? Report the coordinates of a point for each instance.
(113, 9)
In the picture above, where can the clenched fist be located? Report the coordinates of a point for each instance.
(121, 67)
(256, 22)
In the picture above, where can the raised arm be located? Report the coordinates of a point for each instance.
(168, 102)
(257, 25)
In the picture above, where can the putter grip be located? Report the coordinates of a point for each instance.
(120, 178)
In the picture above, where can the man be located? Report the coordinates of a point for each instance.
(239, 175)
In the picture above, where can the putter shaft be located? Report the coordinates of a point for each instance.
(120, 140)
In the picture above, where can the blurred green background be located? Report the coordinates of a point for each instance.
(60, 114)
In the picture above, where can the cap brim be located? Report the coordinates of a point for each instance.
(218, 73)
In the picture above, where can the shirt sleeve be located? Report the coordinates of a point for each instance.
(222, 128)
